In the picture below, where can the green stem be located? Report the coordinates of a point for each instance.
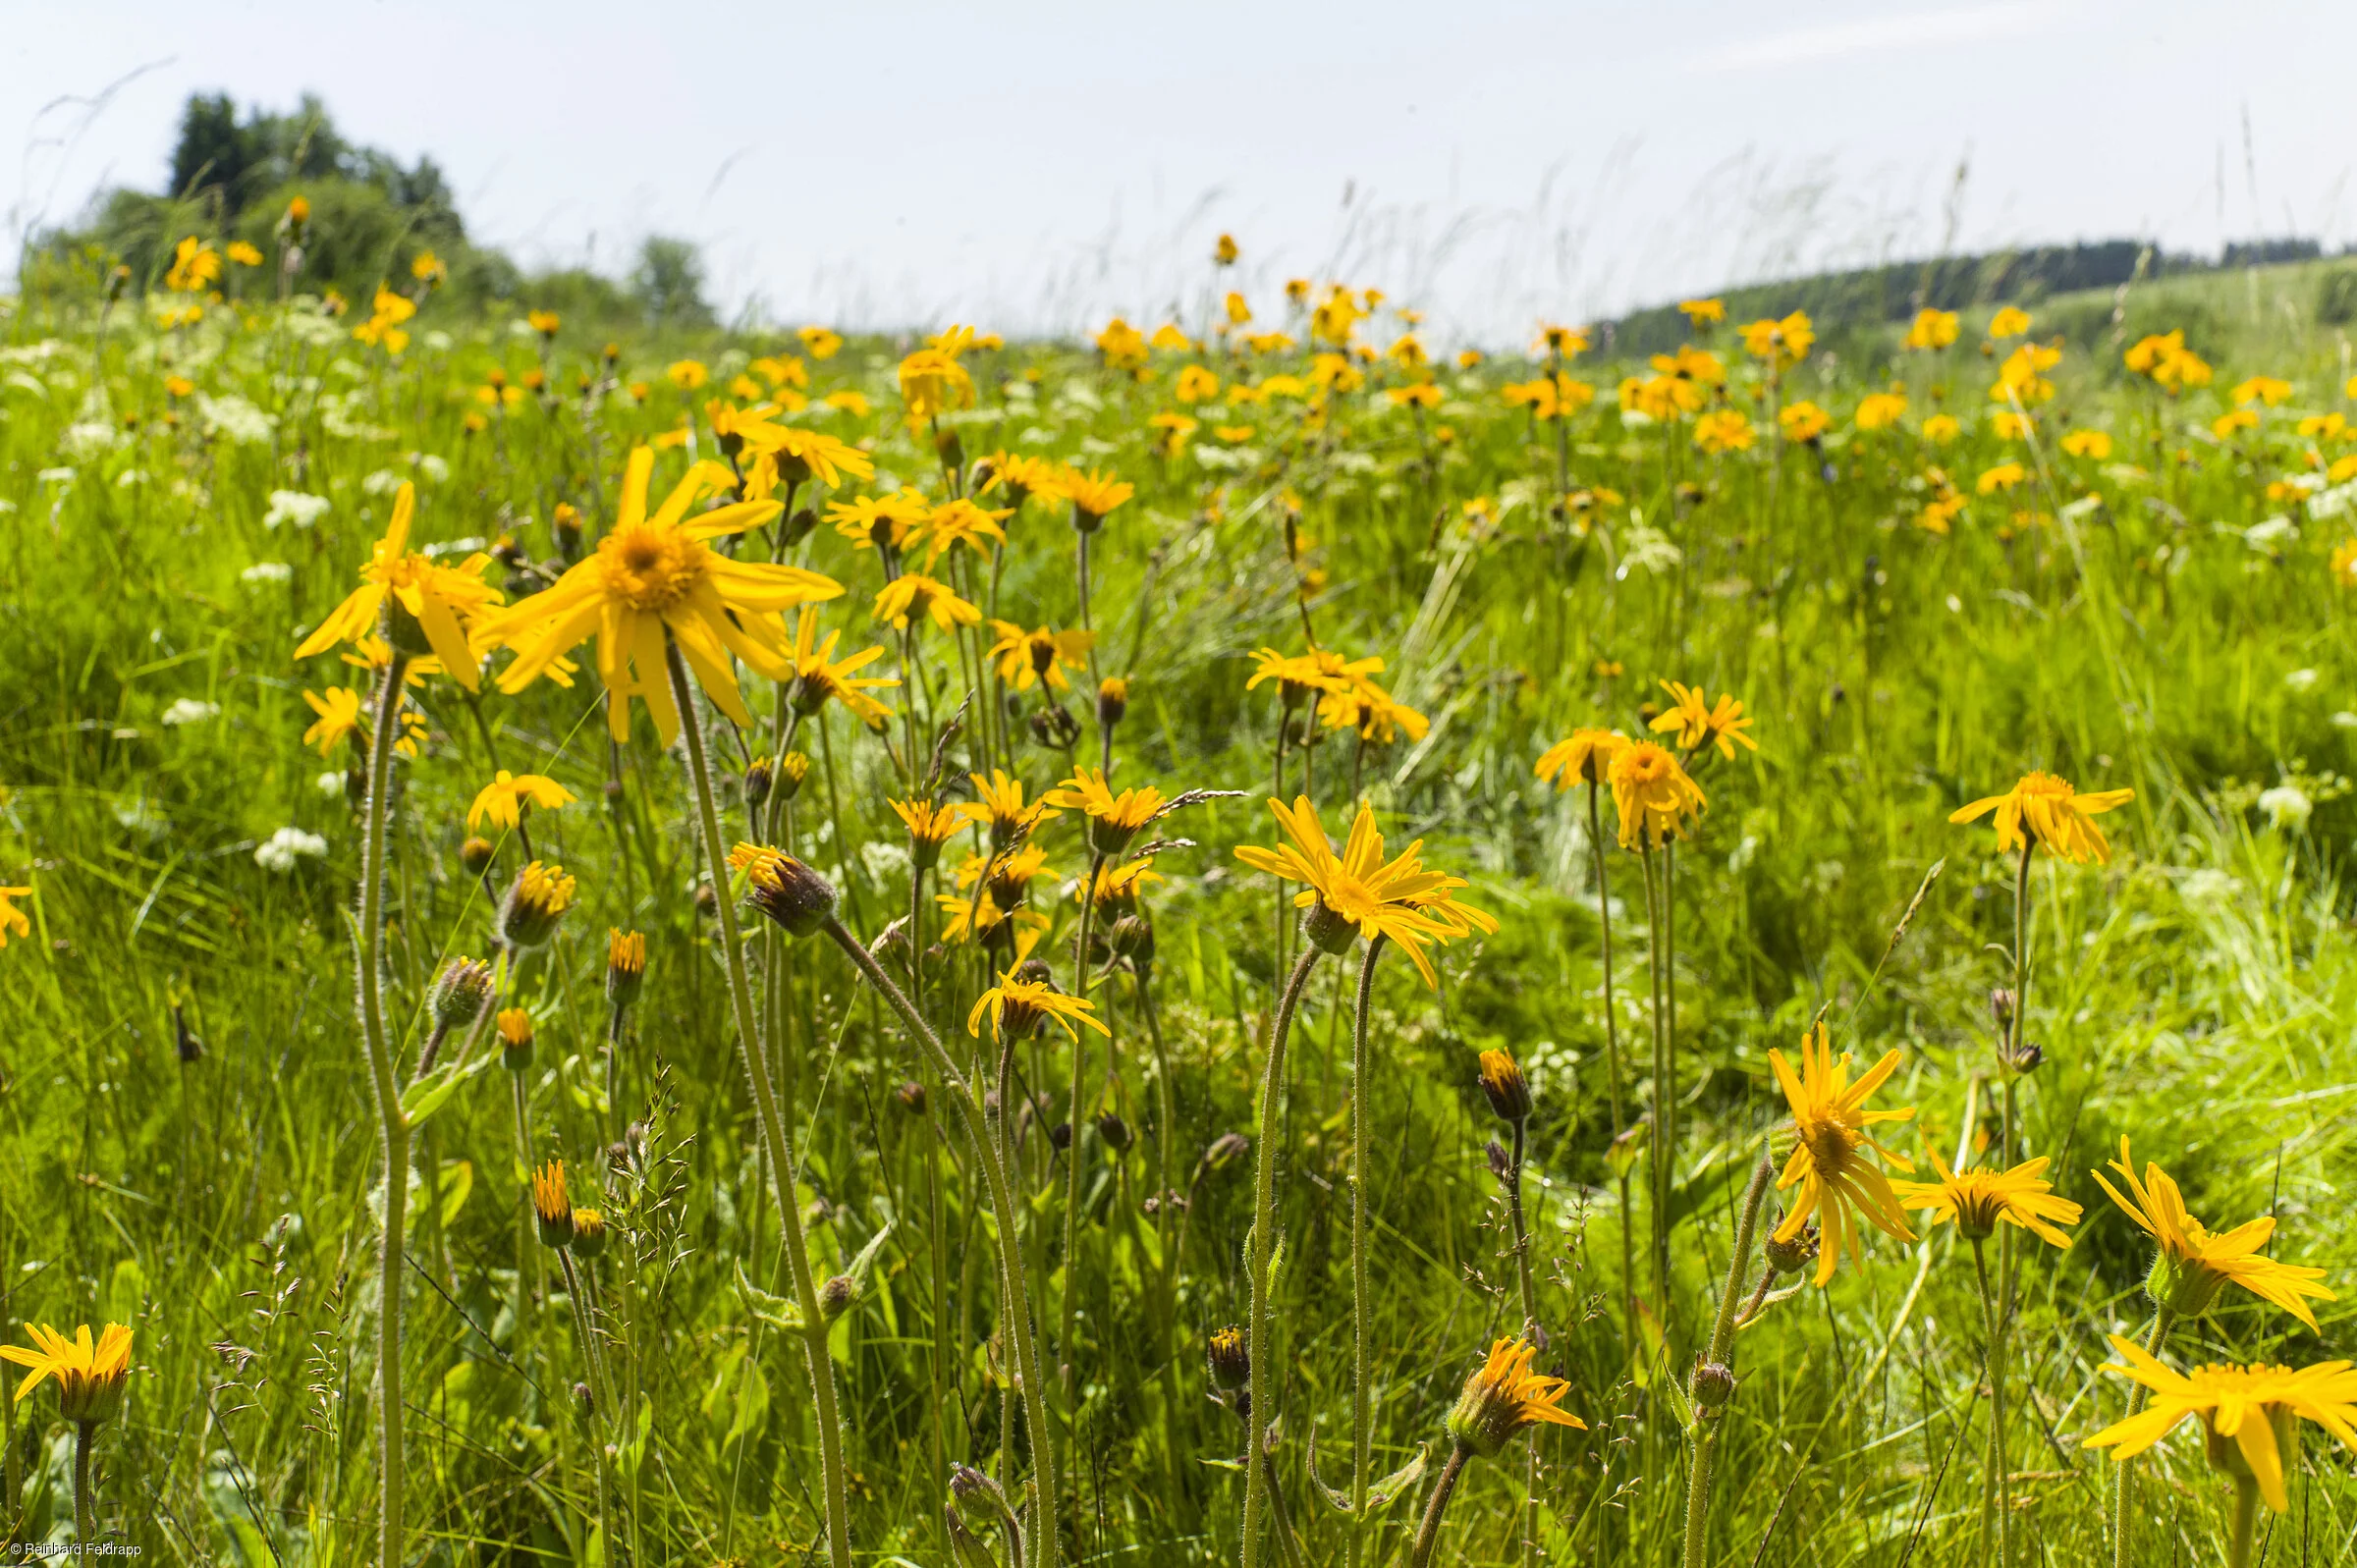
(86, 1507)
(1656, 1166)
(1723, 1331)
(1513, 1209)
(2123, 1491)
(1069, 1371)
(1614, 1067)
(1045, 1541)
(1280, 1515)
(1429, 1532)
(393, 1127)
(777, 1139)
(1995, 1490)
(2246, 1520)
(1362, 1079)
(1261, 1341)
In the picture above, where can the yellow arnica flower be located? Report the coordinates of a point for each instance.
(1700, 723)
(2250, 1414)
(2193, 1264)
(1504, 1396)
(505, 797)
(933, 382)
(913, 596)
(1093, 495)
(817, 677)
(1587, 757)
(1653, 795)
(960, 521)
(927, 823)
(1374, 713)
(781, 452)
(871, 523)
(552, 1205)
(2044, 810)
(654, 577)
(1319, 672)
(1977, 1200)
(1026, 658)
(90, 1375)
(339, 716)
(999, 805)
(1360, 891)
(435, 599)
(1112, 819)
(11, 917)
(1838, 1186)
(1017, 1007)
(1118, 887)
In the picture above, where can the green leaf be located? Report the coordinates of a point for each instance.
(426, 1094)
(775, 1311)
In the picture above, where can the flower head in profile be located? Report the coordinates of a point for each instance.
(1839, 1186)
(1502, 1396)
(2193, 1265)
(655, 581)
(788, 455)
(879, 523)
(1027, 658)
(552, 1205)
(962, 523)
(506, 797)
(1374, 713)
(820, 342)
(1585, 757)
(1700, 723)
(2250, 1414)
(932, 382)
(1000, 807)
(2044, 811)
(1320, 673)
(90, 1375)
(1117, 886)
(817, 677)
(1360, 894)
(1112, 819)
(1093, 496)
(1653, 795)
(1016, 1008)
(536, 902)
(1703, 312)
(13, 919)
(1978, 1201)
(783, 889)
(425, 606)
(913, 596)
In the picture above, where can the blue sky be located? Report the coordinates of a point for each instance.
(1035, 166)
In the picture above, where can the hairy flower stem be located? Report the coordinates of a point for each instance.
(1045, 1542)
(2123, 1489)
(1427, 1534)
(1281, 1515)
(1997, 1503)
(1656, 1142)
(1261, 1341)
(2246, 1520)
(601, 1396)
(1069, 1373)
(1615, 1069)
(1723, 1332)
(86, 1507)
(776, 1138)
(1361, 1082)
(392, 1125)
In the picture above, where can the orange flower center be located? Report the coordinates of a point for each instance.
(651, 569)
(1829, 1144)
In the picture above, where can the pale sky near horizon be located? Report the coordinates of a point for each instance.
(1034, 166)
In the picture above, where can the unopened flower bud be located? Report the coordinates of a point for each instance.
(758, 776)
(1231, 1359)
(535, 905)
(476, 855)
(1503, 1081)
(1055, 728)
(1713, 1384)
(1502, 1164)
(588, 1232)
(514, 1038)
(460, 992)
(911, 1096)
(1113, 701)
(1227, 1148)
(1060, 1135)
(1115, 1132)
(1132, 938)
(789, 772)
(785, 889)
(583, 1401)
(836, 1296)
(626, 966)
(799, 525)
(2026, 1058)
(2000, 1007)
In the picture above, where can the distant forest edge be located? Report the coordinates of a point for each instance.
(232, 175)
(1870, 296)
(232, 178)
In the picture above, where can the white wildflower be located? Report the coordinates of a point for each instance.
(282, 849)
(190, 711)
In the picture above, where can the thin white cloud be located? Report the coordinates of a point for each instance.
(1923, 30)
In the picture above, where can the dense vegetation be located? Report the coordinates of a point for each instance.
(2045, 545)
